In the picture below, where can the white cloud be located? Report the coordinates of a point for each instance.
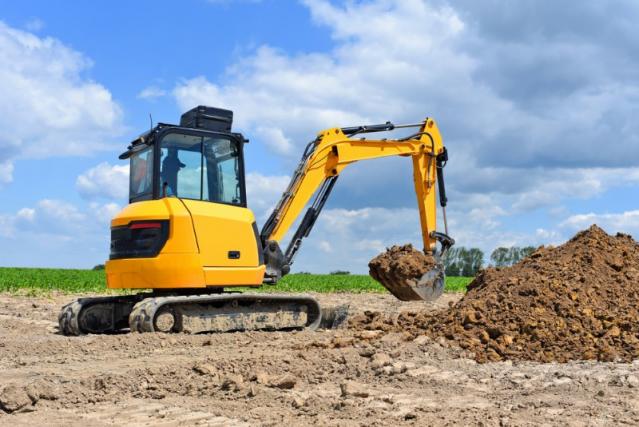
(34, 25)
(104, 212)
(274, 139)
(6, 171)
(523, 115)
(6, 226)
(104, 180)
(373, 245)
(58, 210)
(325, 246)
(151, 92)
(625, 222)
(263, 192)
(47, 107)
(26, 213)
(64, 234)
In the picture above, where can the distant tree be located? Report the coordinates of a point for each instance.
(340, 272)
(499, 257)
(303, 272)
(98, 267)
(526, 252)
(473, 259)
(505, 257)
(450, 260)
(460, 261)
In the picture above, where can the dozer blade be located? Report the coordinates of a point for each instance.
(428, 287)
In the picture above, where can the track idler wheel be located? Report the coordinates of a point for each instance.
(167, 321)
(68, 319)
(100, 315)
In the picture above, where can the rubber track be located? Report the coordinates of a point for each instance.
(69, 317)
(143, 313)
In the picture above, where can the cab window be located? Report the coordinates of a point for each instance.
(222, 171)
(141, 175)
(200, 168)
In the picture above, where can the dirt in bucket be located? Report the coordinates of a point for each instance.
(400, 269)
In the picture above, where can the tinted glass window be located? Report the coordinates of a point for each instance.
(141, 174)
(222, 174)
(201, 168)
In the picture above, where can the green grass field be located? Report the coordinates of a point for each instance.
(43, 280)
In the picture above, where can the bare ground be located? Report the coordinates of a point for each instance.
(335, 377)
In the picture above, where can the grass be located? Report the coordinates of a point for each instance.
(51, 279)
(35, 281)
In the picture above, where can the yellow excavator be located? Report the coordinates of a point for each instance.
(188, 237)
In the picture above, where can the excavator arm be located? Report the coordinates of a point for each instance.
(320, 166)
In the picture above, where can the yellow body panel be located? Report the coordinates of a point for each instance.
(223, 228)
(196, 252)
(164, 271)
(234, 276)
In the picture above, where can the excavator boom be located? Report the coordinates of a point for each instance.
(323, 161)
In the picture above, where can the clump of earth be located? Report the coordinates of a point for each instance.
(577, 301)
(400, 269)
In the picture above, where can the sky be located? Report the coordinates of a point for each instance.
(536, 101)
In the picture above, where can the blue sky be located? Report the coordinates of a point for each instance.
(536, 101)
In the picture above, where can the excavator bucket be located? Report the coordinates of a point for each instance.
(408, 274)
(428, 287)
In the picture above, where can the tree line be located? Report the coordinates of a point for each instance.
(461, 261)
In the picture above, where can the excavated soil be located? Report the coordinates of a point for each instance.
(400, 270)
(399, 263)
(577, 301)
(346, 377)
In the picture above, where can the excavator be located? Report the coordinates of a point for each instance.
(187, 240)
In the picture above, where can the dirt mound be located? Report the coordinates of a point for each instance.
(576, 301)
(400, 270)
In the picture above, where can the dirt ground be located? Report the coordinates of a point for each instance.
(334, 377)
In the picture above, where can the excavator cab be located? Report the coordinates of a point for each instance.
(198, 163)
(187, 225)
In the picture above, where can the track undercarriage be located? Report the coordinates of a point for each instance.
(222, 312)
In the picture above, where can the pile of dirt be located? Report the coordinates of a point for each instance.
(576, 301)
(399, 270)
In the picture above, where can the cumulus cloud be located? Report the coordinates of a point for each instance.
(34, 25)
(104, 180)
(274, 139)
(151, 92)
(512, 104)
(6, 171)
(627, 222)
(65, 234)
(48, 108)
(263, 192)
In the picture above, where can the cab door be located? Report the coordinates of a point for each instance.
(205, 171)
